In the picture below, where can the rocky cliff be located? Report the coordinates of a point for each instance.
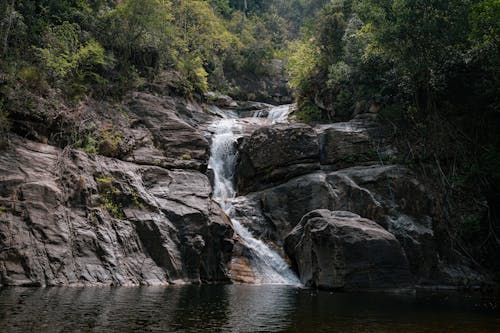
(145, 217)
(328, 197)
(348, 217)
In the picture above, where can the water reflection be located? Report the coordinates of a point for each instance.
(238, 308)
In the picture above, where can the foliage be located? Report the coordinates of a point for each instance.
(109, 141)
(113, 198)
(109, 196)
(308, 111)
(302, 63)
(69, 60)
(106, 141)
(394, 52)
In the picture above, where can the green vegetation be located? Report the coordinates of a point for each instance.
(420, 63)
(409, 53)
(106, 141)
(105, 48)
(114, 198)
(109, 196)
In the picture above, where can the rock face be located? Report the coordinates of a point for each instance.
(341, 250)
(353, 178)
(389, 195)
(347, 216)
(354, 143)
(161, 137)
(276, 153)
(71, 219)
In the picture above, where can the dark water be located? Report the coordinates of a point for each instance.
(239, 308)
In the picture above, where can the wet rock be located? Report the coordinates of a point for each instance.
(240, 267)
(341, 250)
(71, 219)
(275, 154)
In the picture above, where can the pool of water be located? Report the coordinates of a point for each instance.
(240, 308)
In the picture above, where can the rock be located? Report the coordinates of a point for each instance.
(391, 196)
(71, 219)
(275, 154)
(249, 213)
(219, 100)
(360, 141)
(285, 204)
(341, 250)
(162, 137)
(408, 205)
(240, 267)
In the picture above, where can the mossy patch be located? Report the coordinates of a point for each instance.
(113, 198)
(109, 196)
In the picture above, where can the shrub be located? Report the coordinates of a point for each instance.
(109, 141)
(68, 59)
(109, 196)
(308, 112)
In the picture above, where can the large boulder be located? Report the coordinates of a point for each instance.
(408, 207)
(341, 250)
(275, 154)
(391, 196)
(67, 218)
(284, 205)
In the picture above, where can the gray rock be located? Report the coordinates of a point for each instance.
(408, 205)
(71, 219)
(341, 250)
(275, 154)
(391, 196)
(162, 137)
(219, 100)
(361, 141)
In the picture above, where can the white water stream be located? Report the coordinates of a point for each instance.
(267, 265)
(281, 112)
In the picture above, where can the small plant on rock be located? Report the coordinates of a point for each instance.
(110, 196)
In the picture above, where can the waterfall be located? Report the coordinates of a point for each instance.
(268, 266)
(280, 113)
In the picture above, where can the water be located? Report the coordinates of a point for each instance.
(267, 265)
(239, 308)
(281, 112)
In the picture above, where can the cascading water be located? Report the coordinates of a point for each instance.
(268, 266)
(280, 113)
